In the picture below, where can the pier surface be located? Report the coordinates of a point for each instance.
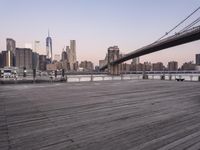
(110, 115)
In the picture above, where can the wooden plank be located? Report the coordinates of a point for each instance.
(116, 115)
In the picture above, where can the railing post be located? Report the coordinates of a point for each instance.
(34, 74)
(144, 75)
(170, 77)
(191, 78)
(131, 77)
(91, 78)
(66, 78)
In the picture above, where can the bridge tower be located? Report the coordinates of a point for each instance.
(113, 54)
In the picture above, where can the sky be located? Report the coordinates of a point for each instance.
(97, 25)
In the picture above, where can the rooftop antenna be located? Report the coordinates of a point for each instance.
(48, 32)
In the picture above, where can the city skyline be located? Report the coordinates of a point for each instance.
(97, 25)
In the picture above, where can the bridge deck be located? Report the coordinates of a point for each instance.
(117, 115)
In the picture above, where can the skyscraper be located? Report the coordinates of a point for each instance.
(10, 47)
(71, 54)
(42, 62)
(157, 66)
(35, 60)
(136, 60)
(49, 47)
(64, 55)
(87, 65)
(24, 58)
(1, 60)
(172, 66)
(5, 58)
(73, 50)
(197, 59)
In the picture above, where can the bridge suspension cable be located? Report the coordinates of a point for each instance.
(190, 25)
(179, 24)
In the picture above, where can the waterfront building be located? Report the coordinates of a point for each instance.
(73, 51)
(136, 60)
(140, 67)
(172, 66)
(24, 58)
(1, 60)
(10, 47)
(147, 66)
(188, 66)
(86, 65)
(125, 67)
(42, 62)
(64, 56)
(4, 58)
(134, 64)
(197, 59)
(158, 66)
(96, 68)
(65, 65)
(65, 61)
(35, 60)
(71, 55)
(76, 66)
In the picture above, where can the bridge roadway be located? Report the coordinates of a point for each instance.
(112, 115)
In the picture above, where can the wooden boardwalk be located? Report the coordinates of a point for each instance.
(118, 115)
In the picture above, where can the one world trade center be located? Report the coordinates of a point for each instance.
(49, 47)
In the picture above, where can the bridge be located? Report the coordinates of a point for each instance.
(187, 36)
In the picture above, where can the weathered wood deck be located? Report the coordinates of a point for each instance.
(118, 115)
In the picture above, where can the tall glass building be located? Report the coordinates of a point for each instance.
(49, 48)
(10, 46)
